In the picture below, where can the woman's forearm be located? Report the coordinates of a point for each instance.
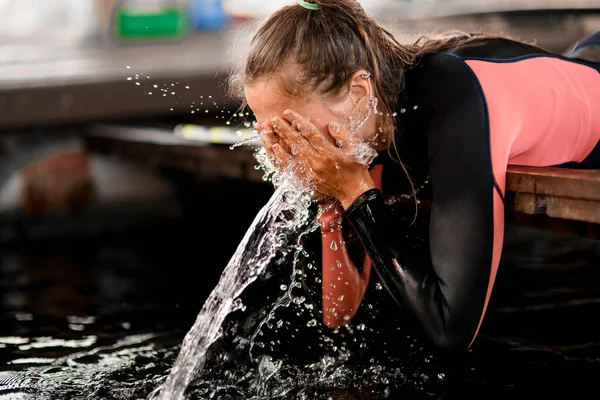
(343, 285)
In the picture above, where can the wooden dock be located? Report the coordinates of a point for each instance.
(550, 198)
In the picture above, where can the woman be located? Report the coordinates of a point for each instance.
(452, 113)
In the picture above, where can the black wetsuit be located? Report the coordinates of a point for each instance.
(443, 137)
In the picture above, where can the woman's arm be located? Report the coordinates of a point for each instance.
(343, 285)
(447, 290)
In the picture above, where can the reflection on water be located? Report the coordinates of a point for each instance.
(104, 319)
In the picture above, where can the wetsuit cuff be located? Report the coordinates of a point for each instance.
(368, 215)
(363, 205)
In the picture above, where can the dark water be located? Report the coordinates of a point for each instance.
(104, 318)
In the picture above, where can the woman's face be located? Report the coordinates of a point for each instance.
(267, 101)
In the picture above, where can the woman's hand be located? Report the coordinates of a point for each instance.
(269, 138)
(328, 163)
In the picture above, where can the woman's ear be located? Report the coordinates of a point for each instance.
(360, 85)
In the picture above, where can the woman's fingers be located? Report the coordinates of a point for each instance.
(282, 156)
(308, 131)
(292, 138)
(269, 138)
(268, 141)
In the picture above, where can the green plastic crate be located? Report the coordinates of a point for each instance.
(161, 23)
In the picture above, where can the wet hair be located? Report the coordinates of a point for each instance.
(316, 52)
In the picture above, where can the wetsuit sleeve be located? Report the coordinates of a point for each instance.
(446, 291)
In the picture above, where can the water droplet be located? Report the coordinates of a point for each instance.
(128, 67)
(137, 83)
(333, 246)
(187, 87)
(378, 286)
(283, 287)
(360, 327)
(312, 322)
(155, 86)
(341, 298)
(129, 78)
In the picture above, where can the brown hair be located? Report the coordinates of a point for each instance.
(325, 47)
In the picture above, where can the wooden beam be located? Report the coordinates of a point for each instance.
(556, 192)
(548, 198)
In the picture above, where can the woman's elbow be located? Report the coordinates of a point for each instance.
(453, 340)
(453, 344)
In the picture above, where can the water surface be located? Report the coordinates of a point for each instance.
(105, 318)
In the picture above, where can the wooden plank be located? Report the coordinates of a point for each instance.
(555, 182)
(162, 149)
(566, 194)
(556, 192)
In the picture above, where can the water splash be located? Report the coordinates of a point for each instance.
(360, 149)
(251, 139)
(285, 213)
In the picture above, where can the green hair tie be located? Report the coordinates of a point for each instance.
(309, 6)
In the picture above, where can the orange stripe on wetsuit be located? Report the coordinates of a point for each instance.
(343, 285)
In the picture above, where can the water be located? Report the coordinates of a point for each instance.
(137, 296)
(270, 232)
(107, 321)
(267, 235)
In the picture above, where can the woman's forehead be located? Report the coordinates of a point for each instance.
(267, 100)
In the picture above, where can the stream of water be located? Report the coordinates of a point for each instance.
(286, 214)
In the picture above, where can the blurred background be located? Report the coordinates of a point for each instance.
(107, 106)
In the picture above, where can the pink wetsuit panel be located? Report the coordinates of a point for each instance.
(542, 111)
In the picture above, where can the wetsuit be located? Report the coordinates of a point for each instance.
(464, 116)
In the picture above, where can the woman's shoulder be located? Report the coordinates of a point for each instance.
(495, 48)
(435, 72)
(491, 49)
